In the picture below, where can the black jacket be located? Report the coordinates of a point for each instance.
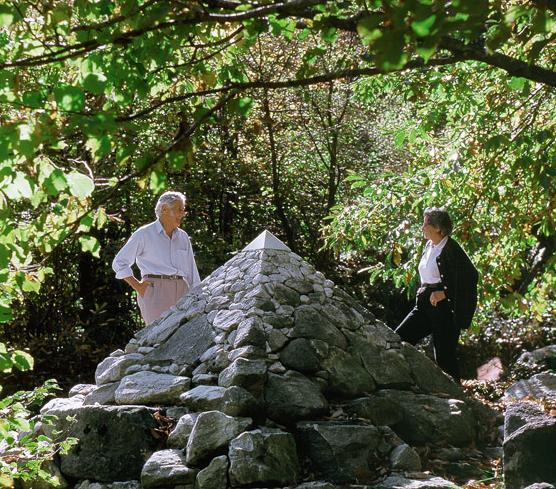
(459, 278)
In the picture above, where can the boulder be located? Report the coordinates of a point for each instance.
(300, 355)
(400, 482)
(528, 434)
(197, 334)
(180, 434)
(249, 374)
(211, 434)
(233, 401)
(263, 457)
(167, 468)
(215, 475)
(114, 441)
(379, 411)
(112, 369)
(341, 452)
(405, 458)
(538, 386)
(429, 419)
(104, 394)
(540, 358)
(151, 388)
(292, 397)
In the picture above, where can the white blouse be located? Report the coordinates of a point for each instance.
(157, 254)
(428, 269)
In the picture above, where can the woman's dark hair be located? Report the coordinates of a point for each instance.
(439, 218)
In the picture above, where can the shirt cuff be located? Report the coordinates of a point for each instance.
(124, 273)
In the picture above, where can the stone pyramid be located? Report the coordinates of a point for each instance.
(265, 375)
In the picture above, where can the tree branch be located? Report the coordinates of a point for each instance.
(510, 65)
(274, 85)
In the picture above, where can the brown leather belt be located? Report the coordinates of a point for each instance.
(165, 277)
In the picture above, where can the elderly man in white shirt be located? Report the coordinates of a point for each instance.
(164, 256)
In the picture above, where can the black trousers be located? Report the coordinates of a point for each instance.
(425, 319)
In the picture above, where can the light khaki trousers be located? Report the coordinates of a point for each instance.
(160, 296)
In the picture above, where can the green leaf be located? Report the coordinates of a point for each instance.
(90, 244)
(6, 314)
(157, 182)
(425, 52)
(80, 185)
(94, 83)
(422, 27)
(241, 106)
(22, 360)
(7, 16)
(69, 98)
(30, 285)
(517, 83)
(56, 182)
(367, 28)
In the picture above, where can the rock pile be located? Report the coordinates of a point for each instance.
(265, 375)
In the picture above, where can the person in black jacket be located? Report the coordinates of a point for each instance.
(447, 297)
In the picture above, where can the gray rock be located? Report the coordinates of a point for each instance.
(114, 441)
(228, 320)
(378, 410)
(292, 397)
(310, 323)
(167, 468)
(541, 357)
(427, 418)
(276, 340)
(215, 475)
(211, 434)
(160, 331)
(114, 485)
(186, 345)
(403, 457)
(263, 457)
(204, 379)
(151, 388)
(540, 485)
(399, 482)
(233, 401)
(249, 374)
(286, 295)
(180, 434)
(112, 369)
(105, 394)
(250, 332)
(81, 389)
(250, 352)
(538, 386)
(387, 367)
(299, 355)
(316, 485)
(341, 452)
(528, 434)
(426, 374)
(347, 376)
(301, 286)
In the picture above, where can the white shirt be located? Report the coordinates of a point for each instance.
(157, 254)
(428, 269)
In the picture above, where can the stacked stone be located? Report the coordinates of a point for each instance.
(274, 376)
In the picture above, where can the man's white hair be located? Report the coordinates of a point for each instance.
(168, 198)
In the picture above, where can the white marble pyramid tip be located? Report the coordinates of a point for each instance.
(266, 241)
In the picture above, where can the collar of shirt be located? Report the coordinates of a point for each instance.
(438, 247)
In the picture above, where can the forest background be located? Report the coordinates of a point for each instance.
(332, 124)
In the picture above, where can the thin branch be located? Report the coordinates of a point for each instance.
(273, 85)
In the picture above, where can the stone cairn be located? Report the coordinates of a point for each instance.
(265, 375)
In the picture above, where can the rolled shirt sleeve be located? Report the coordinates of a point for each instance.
(125, 258)
(192, 274)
